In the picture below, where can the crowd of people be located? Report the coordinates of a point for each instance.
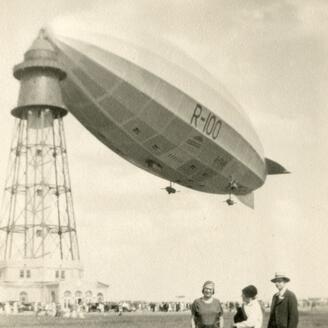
(41, 309)
(77, 310)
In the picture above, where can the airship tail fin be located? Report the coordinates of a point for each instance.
(274, 167)
(247, 199)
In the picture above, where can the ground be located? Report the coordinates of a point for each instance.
(307, 320)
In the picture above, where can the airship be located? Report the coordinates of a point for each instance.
(160, 110)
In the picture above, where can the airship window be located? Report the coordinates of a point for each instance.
(136, 130)
(153, 165)
(156, 147)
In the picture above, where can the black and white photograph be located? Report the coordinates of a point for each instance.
(164, 163)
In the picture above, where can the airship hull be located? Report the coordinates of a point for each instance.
(161, 127)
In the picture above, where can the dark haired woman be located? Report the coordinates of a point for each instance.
(252, 309)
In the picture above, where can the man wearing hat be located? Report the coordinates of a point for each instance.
(284, 312)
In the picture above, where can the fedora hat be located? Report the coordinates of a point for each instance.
(280, 276)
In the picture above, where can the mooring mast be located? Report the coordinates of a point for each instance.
(39, 246)
(38, 217)
(40, 260)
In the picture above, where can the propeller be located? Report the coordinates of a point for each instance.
(170, 190)
(231, 187)
(229, 201)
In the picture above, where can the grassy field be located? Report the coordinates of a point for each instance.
(307, 320)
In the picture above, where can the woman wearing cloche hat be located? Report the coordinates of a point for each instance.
(284, 312)
(206, 312)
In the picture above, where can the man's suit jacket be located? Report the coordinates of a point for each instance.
(284, 312)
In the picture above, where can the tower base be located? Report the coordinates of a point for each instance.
(34, 281)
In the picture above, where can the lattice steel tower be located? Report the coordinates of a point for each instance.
(37, 217)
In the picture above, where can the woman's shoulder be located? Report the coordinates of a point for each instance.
(216, 300)
(196, 304)
(218, 303)
(197, 300)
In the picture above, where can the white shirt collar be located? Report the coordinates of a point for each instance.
(282, 292)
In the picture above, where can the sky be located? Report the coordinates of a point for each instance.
(272, 56)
